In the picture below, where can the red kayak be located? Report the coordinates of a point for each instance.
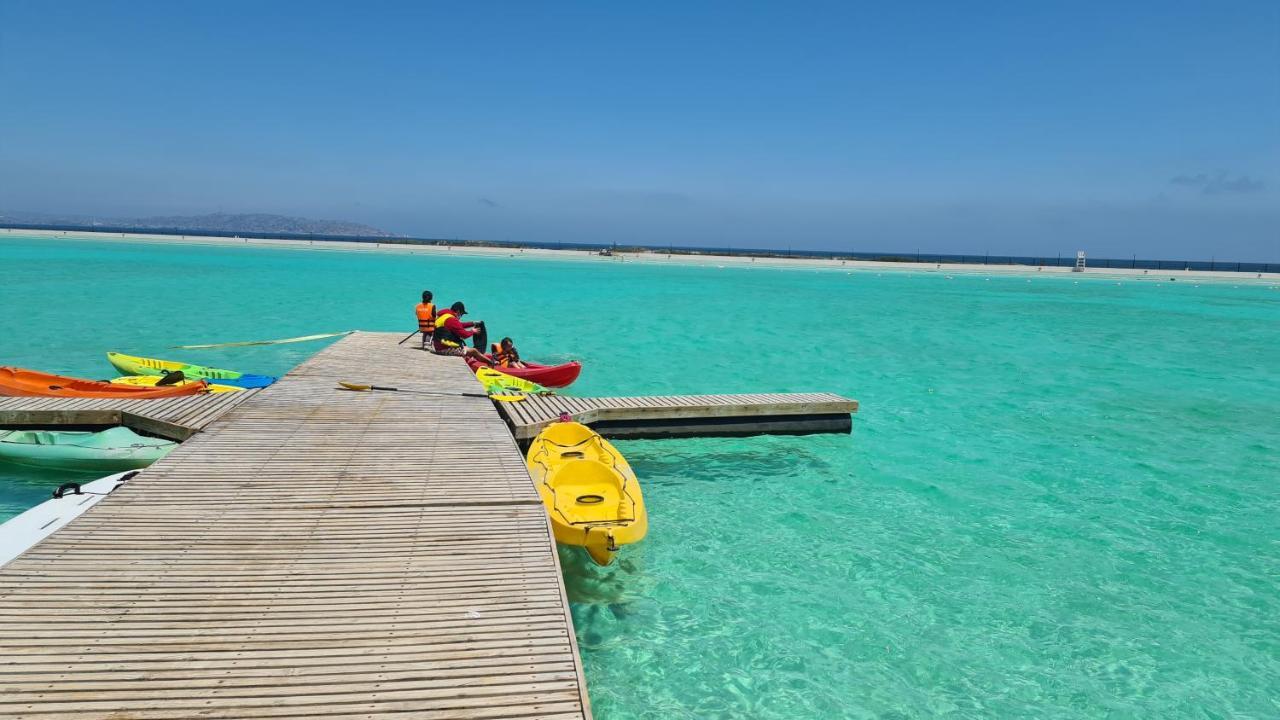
(552, 376)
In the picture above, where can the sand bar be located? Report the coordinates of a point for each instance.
(652, 257)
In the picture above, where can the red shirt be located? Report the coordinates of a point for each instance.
(461, 329)
(457, 327)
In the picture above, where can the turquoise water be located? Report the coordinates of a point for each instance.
(1061, 498)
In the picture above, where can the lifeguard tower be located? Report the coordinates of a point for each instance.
(1079, 262)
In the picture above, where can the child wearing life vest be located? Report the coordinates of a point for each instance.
(426, 312)
(505, 354)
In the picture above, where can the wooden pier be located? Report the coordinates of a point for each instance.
(313, 552)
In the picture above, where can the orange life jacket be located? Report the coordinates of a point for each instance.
(503, 358)
(426, 313)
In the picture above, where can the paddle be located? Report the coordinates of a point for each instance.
(415, 332)
(368, 388)
(173, 378)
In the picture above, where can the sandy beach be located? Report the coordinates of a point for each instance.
(654, 257)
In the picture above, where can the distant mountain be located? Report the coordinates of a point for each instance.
(217, 222)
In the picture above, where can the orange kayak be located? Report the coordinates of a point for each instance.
(16, 382)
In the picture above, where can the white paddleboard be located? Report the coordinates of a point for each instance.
(19, 534)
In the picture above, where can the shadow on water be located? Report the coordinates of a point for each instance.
(589, 584)
(604, 600)
(748, 459)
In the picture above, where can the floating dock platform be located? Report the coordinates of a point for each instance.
(669, 416)
(315, 552)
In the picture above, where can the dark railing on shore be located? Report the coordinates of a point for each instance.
(1068, 260)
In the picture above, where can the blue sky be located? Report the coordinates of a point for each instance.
(1029, 128)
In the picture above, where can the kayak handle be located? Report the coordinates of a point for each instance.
(64, 487)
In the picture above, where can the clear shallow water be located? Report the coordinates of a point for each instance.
(1060, 499)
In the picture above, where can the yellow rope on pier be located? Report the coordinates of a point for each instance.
(304, 338)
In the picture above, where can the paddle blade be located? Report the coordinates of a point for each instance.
(508, 398)
(354, 386)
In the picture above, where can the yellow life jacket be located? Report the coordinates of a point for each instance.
(443, 335)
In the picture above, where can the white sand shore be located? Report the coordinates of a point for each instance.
(654, 257)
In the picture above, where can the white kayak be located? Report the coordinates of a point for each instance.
(21, 533)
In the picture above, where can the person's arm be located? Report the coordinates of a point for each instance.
(458, 327)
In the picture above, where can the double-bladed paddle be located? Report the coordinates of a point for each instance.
(369, 388)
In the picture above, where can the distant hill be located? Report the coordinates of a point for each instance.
(217, 222)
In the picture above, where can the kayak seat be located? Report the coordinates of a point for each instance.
(587, 491)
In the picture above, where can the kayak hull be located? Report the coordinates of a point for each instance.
(552, 376)
(245, 382)
(151, 380)
(116, 449)
(20, 533)
(18, 382)
(497, 382)
(591, 494)
(134, 365)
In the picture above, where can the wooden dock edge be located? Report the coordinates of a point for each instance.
(177, 418)
(691, 420)
(94, 419)
(724, 427)
(665, 428)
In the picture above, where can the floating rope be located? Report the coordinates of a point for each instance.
(304, 338)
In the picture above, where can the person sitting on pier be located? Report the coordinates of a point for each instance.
(450, 334)
(505, 354)
(426, 312)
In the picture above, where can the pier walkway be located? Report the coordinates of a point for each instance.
(312, 552)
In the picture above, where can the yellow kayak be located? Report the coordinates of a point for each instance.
(591, 494)
(151, 380)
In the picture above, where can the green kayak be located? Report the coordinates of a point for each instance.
(118, 448)
(134, 365)
(499, 383)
